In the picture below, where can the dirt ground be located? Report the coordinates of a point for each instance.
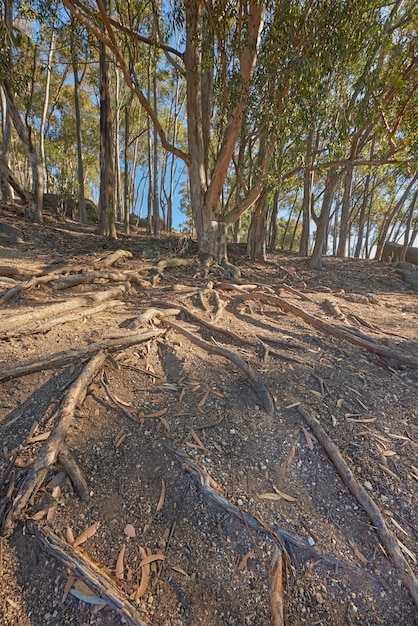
(212, 567)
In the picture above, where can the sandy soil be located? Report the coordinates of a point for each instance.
(217, 568)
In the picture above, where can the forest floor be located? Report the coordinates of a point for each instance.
(163, 415)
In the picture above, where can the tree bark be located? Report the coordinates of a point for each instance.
(315, 261)
(107, 183)
(80, 164)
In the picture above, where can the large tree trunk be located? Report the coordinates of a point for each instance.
(205, 196)
(107, 181)
(6, 122)
(322, 225)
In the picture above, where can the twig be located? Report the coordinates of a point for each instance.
(388, 538)
(257, 383)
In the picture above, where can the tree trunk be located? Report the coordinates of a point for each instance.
(6, 121)
(155, 195)
(42, 129)
(307, 199)
(408, 225)
(107, 181)
(126, 194)
(315, 261)
(257, 233)
(25, 134)
(80, 164)
(395, 211)
(118, 184)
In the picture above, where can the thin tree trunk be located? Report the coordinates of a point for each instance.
(118, 185)
(107, 182)
(155, 195)
(408, 226)
(80, 164)
(42, 129)
(315, 261)
(257, 233)
(307, 199)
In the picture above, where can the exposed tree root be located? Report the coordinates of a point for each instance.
(13, 323)
(94, 577)
(213, 327)
(388, 538)
(74, 472)
(61, 358)
(276, 588)
(257, 383)
(50, 449)
(368, 344)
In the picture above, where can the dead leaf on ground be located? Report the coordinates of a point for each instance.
(119, 569)
(308, 438)
(162, 497)
(130, 531)
(244, 560)
(86, 534)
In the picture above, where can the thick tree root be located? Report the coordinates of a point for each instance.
(256, 382)
(49, 451)
(388, 538)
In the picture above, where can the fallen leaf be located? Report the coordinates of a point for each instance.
(119, 569)
(340, 402)
(70, 582)
(308, 438)
(357, 552)
(151, 558)
(407, 551)
(69, 535)
(203, 399)
(86, 598)
(283, 495)
(162, 497)
(86, 534)
(165, 424)
(154, 414)
(180, 570)
(388, 453)
(130, 531)
(42, 437)
(270, 496)
(119, 441)
(40, 514)
(83, 588)
(243, 563)
(197, 440)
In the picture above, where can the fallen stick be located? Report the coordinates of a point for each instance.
(388, 538)
(94, 577)
(61, 358)
(368, 344)
(257, 383)
(50, 449)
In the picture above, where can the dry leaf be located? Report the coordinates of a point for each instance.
(357, 552)
(203, 399)
(119, 564)
(83, 588)
(165, 424)
(308, 438)
(39, 515)
(243, 564)
(69, 535)
(180, 570)
(42, 437)
(340, 403)
(130, 531)
(388, 453)
(162, 497)
(86, 534)
(119, 441)
(283, 495)
(292, 406)
(407, 551)
(154, 414)
(270, 496)
(198, 441)
(151, 558)
(366, 420)
(70, 582)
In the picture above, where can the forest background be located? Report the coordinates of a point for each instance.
(283, 124)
